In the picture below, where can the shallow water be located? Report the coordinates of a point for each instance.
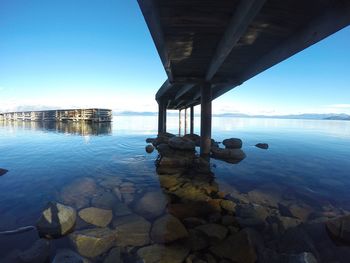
(305, 170)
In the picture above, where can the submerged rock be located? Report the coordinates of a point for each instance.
(149, 148)
(168, 229)
(264, 146)
(339, 229)
(228, 155)
(96, 216)
(213, 231)
(163, 253)
(151, 205)
(105, 200)
(232, 143)
(93, 242)
(67, 256)
(38, 253)
(132, 230)
(3, 171)
(114, 256)
(56, 220)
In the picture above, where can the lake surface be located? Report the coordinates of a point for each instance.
(304, 175)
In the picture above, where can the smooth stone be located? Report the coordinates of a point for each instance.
(79, 192)
(67, 256)
(38, 253)
(114, 256)
(96, 216)
(163, 253)
(105, 200)
(110, 182)
(149, 148)
(127, 219)
(3, 171)
(228, 220)
(191, 222)
(339, 229)
(170, 181)
(228, 205)
(264, 146)
(197, 240)
(132, 231)
(213, 231)
(189, 192)
(180, 143)
(238, 248)
(228, 155)
(232, 143)
(168, 229)
(199, 209)
(151, 205)
(193, 137)
(121, 209)
(93, 242)
(289, 222)
(300, 211)
(56, 220)
(263, 198)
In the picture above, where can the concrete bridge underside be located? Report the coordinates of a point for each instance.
(209, 47)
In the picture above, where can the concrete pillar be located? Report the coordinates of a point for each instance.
(185, 129)
(161, 117)
(191, 120)
(206, 116)
(180, 123)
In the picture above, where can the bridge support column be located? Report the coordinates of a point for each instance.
(180, 123)
(186, 122)
(161, 117)
(206, 115)
(191, 120)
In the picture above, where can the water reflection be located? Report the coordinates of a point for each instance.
(69, 127)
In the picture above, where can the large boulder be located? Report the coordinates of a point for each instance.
(339, 229)
(93, 242)
(168, 229)
(151, 205)
(181, 143)
(56, 220)
(228, 155)
(96, 216)
(232, 143)
(163, 254)
(193, 137)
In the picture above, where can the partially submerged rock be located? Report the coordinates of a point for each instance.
(232, 143)
(181, 143)
(264, 146)
(96, 216)
(168, 229)
(3, 171)
(228, 155)
(149, 148)
(93, 242)
(56, 220)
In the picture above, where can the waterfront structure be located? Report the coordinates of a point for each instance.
(210, 47)
(93, 115)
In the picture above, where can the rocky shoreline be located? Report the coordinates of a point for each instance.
(188, 217)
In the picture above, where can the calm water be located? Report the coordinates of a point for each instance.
(307, 159)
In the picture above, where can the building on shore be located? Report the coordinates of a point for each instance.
(93, 115)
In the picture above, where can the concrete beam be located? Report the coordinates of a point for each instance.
(243, 16)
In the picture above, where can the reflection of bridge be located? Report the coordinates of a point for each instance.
(209, 47)
(94, 115)
(74, 128)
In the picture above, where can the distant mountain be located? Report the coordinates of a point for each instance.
(305, 116)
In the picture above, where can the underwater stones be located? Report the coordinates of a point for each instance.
(176, 162)
(168, 229)
(163, 253)
(67, 256)
(228, 205)
(79, 192)
(151, 205)
(3, 171)
(149, 148)
(264, 198)
(114, 256)
(170, 181)
(191, 209)
(228, 155)
(264, 146)
(96, 216)
(213, 231)
(104, 200)
(93, 242)
(188, 192)
(339, 229)
(238, 248)
(121, 209)
(181, 143)
(132, 230)
(110, 182)
(300, 211)
(38, 253)
(232, 143)
(197, 240)
(56, 220)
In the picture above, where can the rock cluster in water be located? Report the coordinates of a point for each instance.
(113, 219)
(3, 171)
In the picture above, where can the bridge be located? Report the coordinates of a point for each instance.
(208, 47)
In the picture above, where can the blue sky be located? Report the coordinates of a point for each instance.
(100, 54)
